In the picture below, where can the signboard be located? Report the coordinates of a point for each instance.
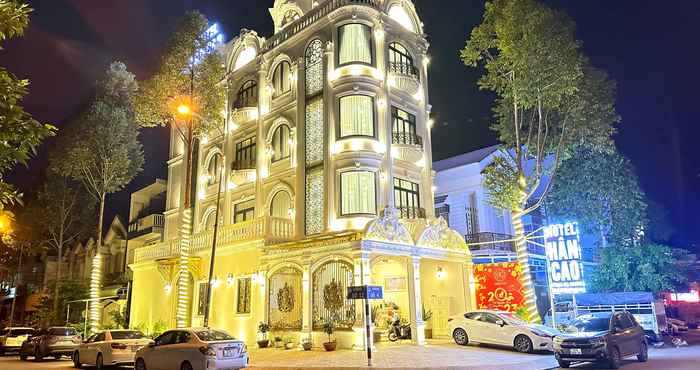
(563, 249)
(365, 292)
(498, 286)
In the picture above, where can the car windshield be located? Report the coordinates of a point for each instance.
(512, 318)
(19, 332)
(63, 332)
(131, 334)
(212, 335)
(588, 324)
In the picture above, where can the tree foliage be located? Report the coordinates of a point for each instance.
(67, 291)
(20, 134)
(600, 190)
(647, 267)
(184, 75)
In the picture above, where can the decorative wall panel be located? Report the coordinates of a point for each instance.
(285, 297)
(330, 282)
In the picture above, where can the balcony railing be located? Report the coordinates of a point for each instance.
(411, 212)
(498, 243)
(263, 228)
(251, 102)
(146, 225)
(406, 138)
(244, 165)
(403, 69)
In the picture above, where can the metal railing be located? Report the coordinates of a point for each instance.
(244, 165)
(145, 225)
(411, 212)
(403, 69)
(250, 102)
(496, 242)
(310, 18)
(406, 138)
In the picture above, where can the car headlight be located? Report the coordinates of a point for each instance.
(597, 342)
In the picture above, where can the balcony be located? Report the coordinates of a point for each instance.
(498, 244)
(407, 146)
(411, 212)
(268, 229)
(241, 116)
(404, 76)
(148, 227)
(406, 138)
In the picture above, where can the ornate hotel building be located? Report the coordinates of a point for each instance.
(326, 154)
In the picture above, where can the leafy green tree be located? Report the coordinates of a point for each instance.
(599, 190)
(60, 293)
(190, 74)
(647, 267)
(19, 132)
(548, 98)
(106, 154)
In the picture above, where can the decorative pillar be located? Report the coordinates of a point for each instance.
(414, 301)
(306, 308)
(470, 288)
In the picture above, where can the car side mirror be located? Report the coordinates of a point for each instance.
(501, 323)
(616, 329)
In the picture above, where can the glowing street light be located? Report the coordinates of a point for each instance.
(184, 109)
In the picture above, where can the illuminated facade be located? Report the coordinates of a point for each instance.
(327, 183)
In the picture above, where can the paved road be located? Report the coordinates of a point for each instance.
(10, 362)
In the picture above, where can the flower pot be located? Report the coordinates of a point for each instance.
(263, 343)
(289, 345)
(329, 346)
(428, 333)
(306, 346)
(376, 336)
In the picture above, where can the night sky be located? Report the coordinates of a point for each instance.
(649, 47)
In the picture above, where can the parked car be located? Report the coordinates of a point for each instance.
(501, 328)
(675, 326)
(111, 347)
(11, 339)
(193, 349)
(55, 341)
(603, 337)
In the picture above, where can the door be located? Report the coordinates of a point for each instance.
(634, 334)
(474, 325)
(86, 352)
(180, 350)
(622, 334)
(158, 355)
(440, 308)
(493, 331)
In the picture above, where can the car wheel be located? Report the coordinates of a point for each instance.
(393, 337)
(22, 354)
(99, 362)
(460, 336)
(564, 364)
(643, 355)
(522, 344)
(76, 360)
(140, 364)
(38, 356)
(2, 351)
(615, 358)
(186, 366)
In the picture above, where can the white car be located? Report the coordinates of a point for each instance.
(193, 349)
(501, 328)
(111, 347)
(11, 339)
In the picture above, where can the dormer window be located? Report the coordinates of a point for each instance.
(355, 44)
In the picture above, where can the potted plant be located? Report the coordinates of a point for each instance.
(376, 311)
(278, 341)
(329, 328)
(288, 342)
(263, 328)
(427, 315)
(306, 343)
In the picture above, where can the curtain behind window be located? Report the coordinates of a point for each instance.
(358, 193)
(355, 44)
(281, 204)
(356, 116)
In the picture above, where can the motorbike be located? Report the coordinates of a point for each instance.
(399, 330)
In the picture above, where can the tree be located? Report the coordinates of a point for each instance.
(647, 267)
(19, 132)
(599, 190)
(106, 154)
(190, 74)
(548, 98)
(60, 215)
(61, 292)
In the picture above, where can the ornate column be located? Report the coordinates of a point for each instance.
(414, 301)
(470, 288)
(306, 304)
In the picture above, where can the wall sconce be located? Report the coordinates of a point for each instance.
(441, 273)
(229, 279)
(205, 140)
(168, 288)
(215, 282)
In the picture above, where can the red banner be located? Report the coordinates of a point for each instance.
(498, 286)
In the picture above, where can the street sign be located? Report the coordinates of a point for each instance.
(365, 292)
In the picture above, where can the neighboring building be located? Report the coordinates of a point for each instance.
(146, 220)
(327, 160)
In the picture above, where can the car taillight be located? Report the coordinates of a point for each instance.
(118, 346)
(207, 351)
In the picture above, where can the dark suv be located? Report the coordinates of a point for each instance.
(55, 341)
(601, 337)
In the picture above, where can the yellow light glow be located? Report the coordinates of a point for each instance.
(168, 288)
(377, 74)
(356, 145)
(232, 126)
(355, 70)
(426, 61)
(201, 195)
(223, 113)
(231, 185)
(392, 80)
(421, 162)
(418, 96)
(433, 188)
(215, 282)
(441, 274)
(229, 279)
(378, 147)
(95, 290)
(394, 152)
(431, 122)
(205, 140)
(183, 109)
(264, 173)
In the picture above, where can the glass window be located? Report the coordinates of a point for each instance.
(245, 154)
(356, 116)
(166, 338)
(18, 332)
(202, 302)
(244, 211)
(243, 301)
(280, 143)
(127, 334)
(281, 205)
(64, 332)
(182, 337)
(472, 315)
(400, 61)
(281, 81)
(247, 95)
(100, 337)
(358, 193)
(407, 198)
(404, 128)
(212, 335)
(213, 169)
(489, 318)
(355, 44)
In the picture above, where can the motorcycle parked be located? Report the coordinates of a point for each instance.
(399, 330)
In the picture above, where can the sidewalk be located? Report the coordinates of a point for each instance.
(438, 355)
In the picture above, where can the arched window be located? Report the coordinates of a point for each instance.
(247, 95)
(281, 81)
(209, 220)
(246, 56)
(280, 143)
(400, 60)
(281, 205)
(356, 116)
(290, 16)
(213, 168)
(400, 15)
(355, 44)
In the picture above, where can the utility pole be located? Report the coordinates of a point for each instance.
(17, 276)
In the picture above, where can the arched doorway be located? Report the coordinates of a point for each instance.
(330, 283)
(285, 298)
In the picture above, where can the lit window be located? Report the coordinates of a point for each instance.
(407, 199)
(355, 44)
(243, 301)
(246, 56)
(280, 80)
(356, 116)
(401, 61)
(281, 205)
(399, 14)
(403, 129)
(245, 155)
(280, 143)
(213, 169)
(247, 95)
(358, 193)
(210, 220)
(244, 211)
